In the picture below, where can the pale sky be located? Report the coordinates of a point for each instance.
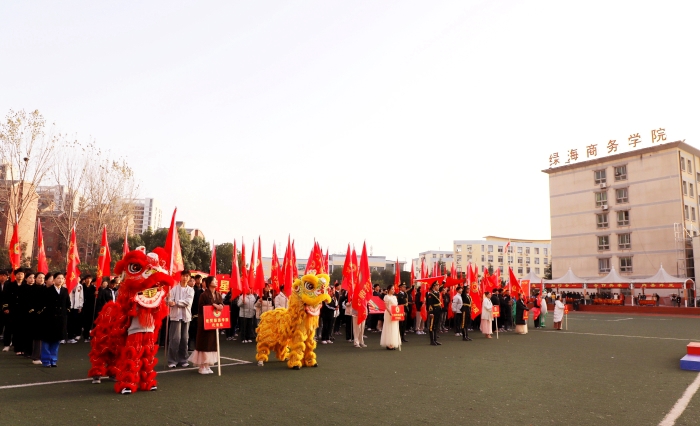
(407, 124)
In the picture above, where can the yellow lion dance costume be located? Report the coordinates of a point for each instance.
(290, 332)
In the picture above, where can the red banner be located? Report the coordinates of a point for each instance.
(214, 320)
(525, 315)
(496, 311)
(397, 313)
(224, 283)
(566, 310)
(376, 305)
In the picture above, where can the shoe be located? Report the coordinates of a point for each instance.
(324, 342)
(457, 334)
(47, 365)
(6, 349)
(202, 371)
(96, 380)
(62, 342)
(357, 346)
(172, 365)
(54, 365)
(363, 345)
(404, 340)
(37, 362)
(72, 341)
(185, 364)
(87, 340)
(438, 343)
(433, 343)
(126, 391)
(78, 338)
(330, 342)
(209, 371)
(350, 340)
(154, 388)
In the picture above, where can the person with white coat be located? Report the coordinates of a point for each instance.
(77, 300)
(457, 310)
(486, 315)
(558, 313)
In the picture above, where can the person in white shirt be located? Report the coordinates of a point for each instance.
(246, 303)
(486, 315)
(180, 302)
(281, 300)
(77, 300)
(457, 310)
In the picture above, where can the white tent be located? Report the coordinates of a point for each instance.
(534, 279)
(568, 278)
(661, 277)
(612, 278)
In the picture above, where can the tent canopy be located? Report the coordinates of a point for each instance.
(612, 278)
(661, 277)
(568, 278)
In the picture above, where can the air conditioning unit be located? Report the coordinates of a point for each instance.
(603, 185)
(604, 207)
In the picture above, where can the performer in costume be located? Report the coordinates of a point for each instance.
(124, 338)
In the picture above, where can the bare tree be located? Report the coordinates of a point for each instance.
(26, 153)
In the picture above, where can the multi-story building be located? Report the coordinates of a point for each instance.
(524, 256)
(430, 258)
(147, 214)
(376, 263)
(633, 211)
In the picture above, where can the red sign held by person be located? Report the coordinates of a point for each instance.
(214, 320)
(525, 315)
(566, 309)
(397, 313)
(496, 311)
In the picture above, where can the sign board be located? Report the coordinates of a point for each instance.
(496, 311)
(525, 315)
(376, 305)
(397, 313)
(214, 320)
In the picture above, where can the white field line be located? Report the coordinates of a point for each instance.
(616, 335)
(681, 404)
(179, 370)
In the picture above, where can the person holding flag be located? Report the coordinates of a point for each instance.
(520, 320)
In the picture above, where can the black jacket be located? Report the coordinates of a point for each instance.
(54, 314)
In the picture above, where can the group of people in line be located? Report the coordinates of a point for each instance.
(39, 314)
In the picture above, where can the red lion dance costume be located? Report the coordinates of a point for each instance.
(124, 338)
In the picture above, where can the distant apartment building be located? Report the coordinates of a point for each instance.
(633, 211)
(146, 214)
(431, 257)
(335, 261)
(523, 256)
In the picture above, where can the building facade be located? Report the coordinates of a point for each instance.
(633, 212)
(147, 214)
(431, 257)
(524, 256)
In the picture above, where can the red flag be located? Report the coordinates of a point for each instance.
(325, 261)
(288, 269)
(172, 247)
(125, 250)
(295, 269)
(244, 273)
(451, 314)
(513, 283)
(15, 249)
(477, 299)
(42, 265)
(251, 270)
(236, 287)
(316, 261)
(348, 273)
(259, 273)
(212, 264)
(275, 270)
(423, 308)
(104, 260)
(356, 269)
(73, 273)
(363, 290)
(397, 277)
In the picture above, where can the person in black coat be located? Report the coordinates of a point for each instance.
(402, 299)
(54, 320)
(520, 321)
(327, 317)
(192, 331)
(24, 305)
(506, 312)
(8, 294)
(89, 305)
(496, 300)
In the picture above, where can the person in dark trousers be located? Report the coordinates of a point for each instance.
(8, 296)
(89, 305)
(496, 302)
(434, 307)
(54, 320)
(466, 312)
(327, 316)
(402, 299)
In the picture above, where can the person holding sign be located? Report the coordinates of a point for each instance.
(558, 312)
(391, 338)
(486, 315)
(205, 353)
(521, 311)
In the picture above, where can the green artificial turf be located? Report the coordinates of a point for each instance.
(544, 377)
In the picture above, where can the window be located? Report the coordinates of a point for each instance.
(690, 167)
(692, 192)
(599, 176)
(604, 242)
(604, 265)
(621, 173)
(601, 198)
(537, 261)
(510, 259)
(685, 188)
(520, 270)
(682, 163)
(482, 258)
(500, 259)
(527, 250)
(537, 271)
(520, 250)
(527, 270)
(434, 255)
(623, 218)
(601, 220)
(621, 195)
(687, 214)
(527, 259)
(482, 247)
(698, 176)
(623, 241)
(626, 264)
(520, 260)
(537, 250)
(500, 268)
(490, 258)
(500, 249)
(469, 248)
(545, 260)
(459, 249)
(490, 249)
(510, 249)
(469, 257)
(692, 214)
